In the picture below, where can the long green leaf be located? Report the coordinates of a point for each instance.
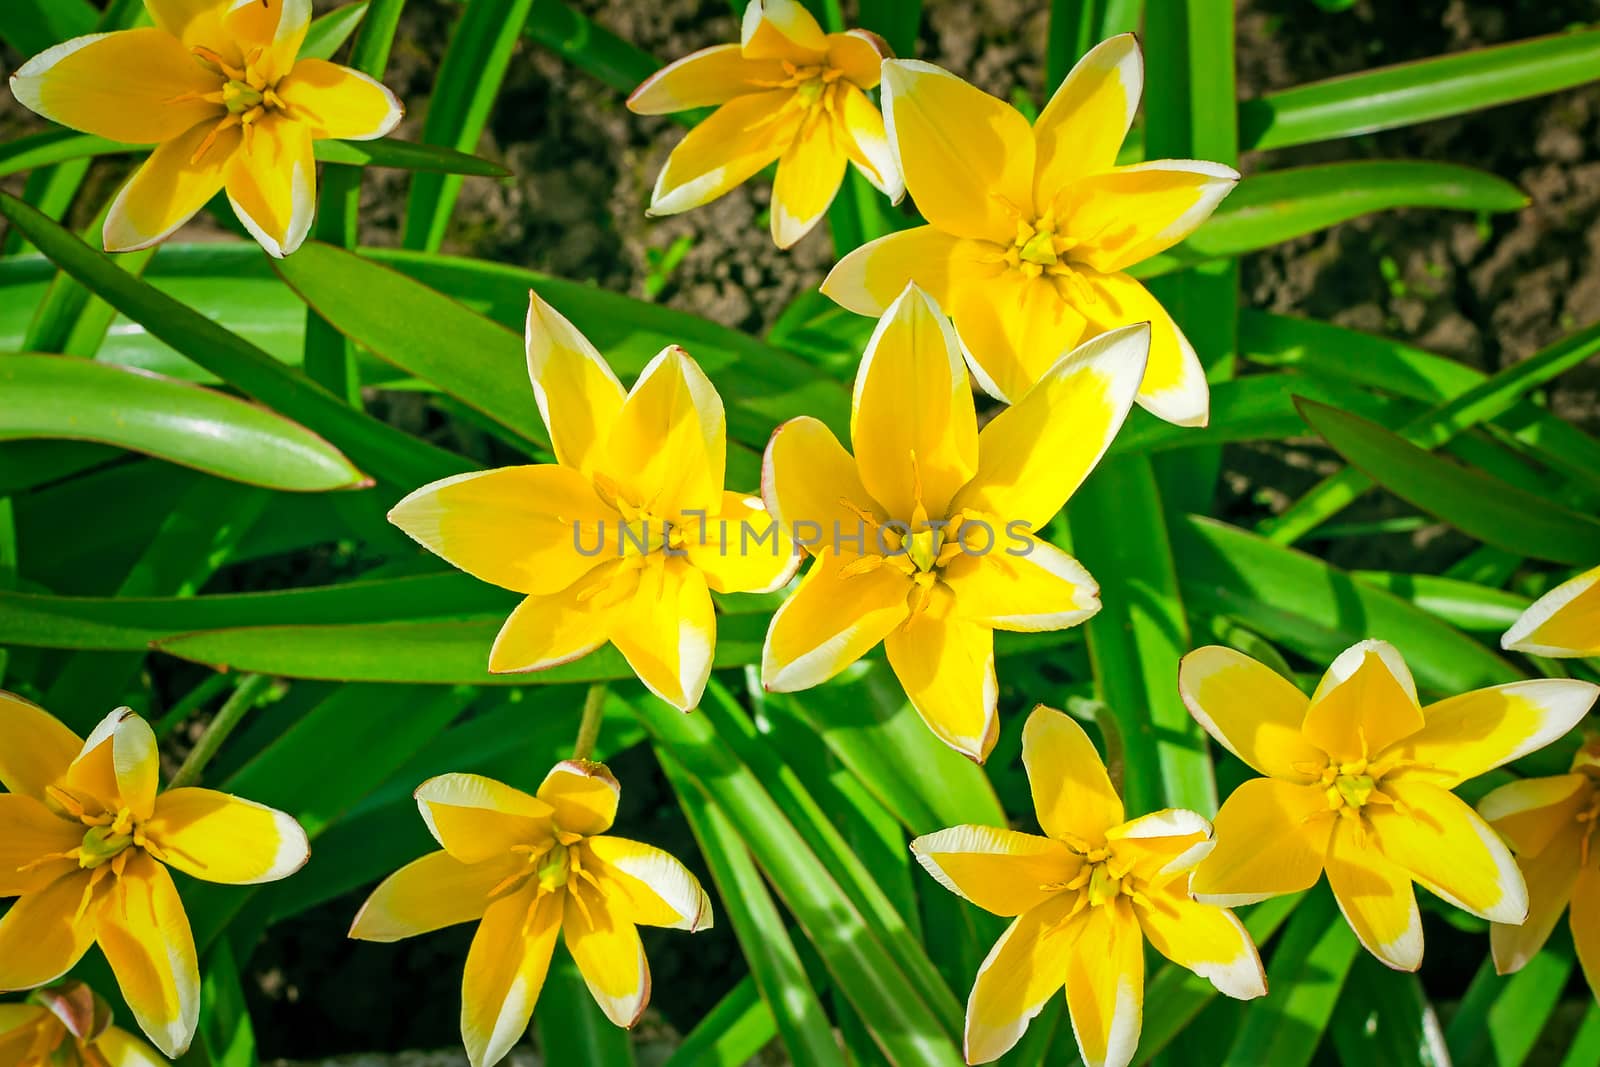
(32, 26)
(328, 33)
(571, 1026)
(730, 1034)
(1500, 1019)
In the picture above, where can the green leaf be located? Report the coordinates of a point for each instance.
(1467, 606)
(75, 399)
(896, 21)
(571, 1026)
(328, 33)
(409, 155)
(730, 1034)
(1500, 1019)
(589, 46)
(31, 26)
(1384, 1019)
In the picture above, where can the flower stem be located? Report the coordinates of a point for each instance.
(589, 730)
(244, 698)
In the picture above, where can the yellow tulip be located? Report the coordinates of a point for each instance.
(624, 538)
(1550, 823)
(1563, 622)
(1085, 897)
(787, 93)
(1358, 785)
(85, 843)
(1030, 230)
(68, 1026)
(527, 868)
(218, 88)
(924, 538)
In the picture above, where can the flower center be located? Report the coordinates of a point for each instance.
(1100, 881)
(246, 97)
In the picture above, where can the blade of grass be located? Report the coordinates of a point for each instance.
(1500, 1019)
(730, 1034)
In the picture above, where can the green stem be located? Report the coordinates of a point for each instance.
(251, 688)
(589, 730)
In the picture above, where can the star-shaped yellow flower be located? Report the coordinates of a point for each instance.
(1086, 897)
(85, 842)
(217, 87)
(787, 93)
(1550, 823)
(1564, 622)
(1029, 230)
(924, 538)
(626, 536)
(68, 1026)
(1359, 780)
(528, 868)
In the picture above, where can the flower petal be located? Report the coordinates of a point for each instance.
(1365, 702)
(705, 78)
(741, 548)
(1023, 970)
(1251, 709)
(428, 894)
(1563, 622)
(272, 184)
(967, 157)
(647, 885)
(505, 972)
(338, 102)
(1001, 871)
(1072, 794)
(1008, 580)
(809, 173)
(738, 140)
(866, 141)
(946, 667)
(912, 421)
(19, 1029)
(35, 748)
(668, 631)
(1013, 328)
(1450, 850)
(119, 764)
(277, 27)
(1164, 845)
(859, 55)
(1140, 210)
(145, 936)
(872, 277)
(609, 955)
(1272, 838)
(122, 1049)
(808, 477)
(830, 621)
(1083, 126)
(44, 935)
(546, 631)
(478, 819)
(29, 832)
(1551, 877)
(1530, 812)
(583, 795)
(1208, 940)
(126, 86)
(1174, 387)
(533, 529)
(1035, 454)
(782, 29)
(1105, 984)
(220, 838)
(668, 448)
(1585, 920)
(169, 188)
(1466, 735)
(1376, 898)
(579, 396)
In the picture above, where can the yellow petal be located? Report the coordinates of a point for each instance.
(830, 621)
(169, 188)
(29, 832)
(1208, 940)
(582, 796)
(276, 27)
(179, 17)
(44, 936)
(1174, 387)
(125, 86)
(1563, 622)
(578, 395)
(1365, 702)
(1551, 877)
(1466, 735)
(782, 29)
(809, 173)
(1013, 328)
(145, 936)
(967, 157)
(534, 529)
(741, 548)
(35, 749)
(1530, 812)
(119, 764)
(1449, 850)
(668, 449)
(20, 1026)
(1375, 896)
(1001, 871)
(505, 972)
(1162, 846)
(1023, 970)
(1137, 211)
(337, 102)
(738, 140)
(478, 819)
(609, 955)
(1035, 454)
(1083, 126)
(647, 885)
(705, 78)
(859, 55)
(1585, 920)
(1105, 984)
(912, 422)
(1009, 580)
(871, 277)
(1072, 794)
(272, 184)
(429, 894)
(946, 666)
(808, 477)
(1272, 838)
(668, 631)
(866, 141)
(220, 838)
(1252, 711)
(122, 1049)
(546, 631)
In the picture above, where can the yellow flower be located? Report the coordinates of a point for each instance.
(68, 1026)
(1550, 823)
(85, 842)
(923, 539)
(626, 536)
(1563, 622)
(215, 85)
(527, 868)
(1085, 898)
(787, 93)
(1030, 230)
(1359, 780)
